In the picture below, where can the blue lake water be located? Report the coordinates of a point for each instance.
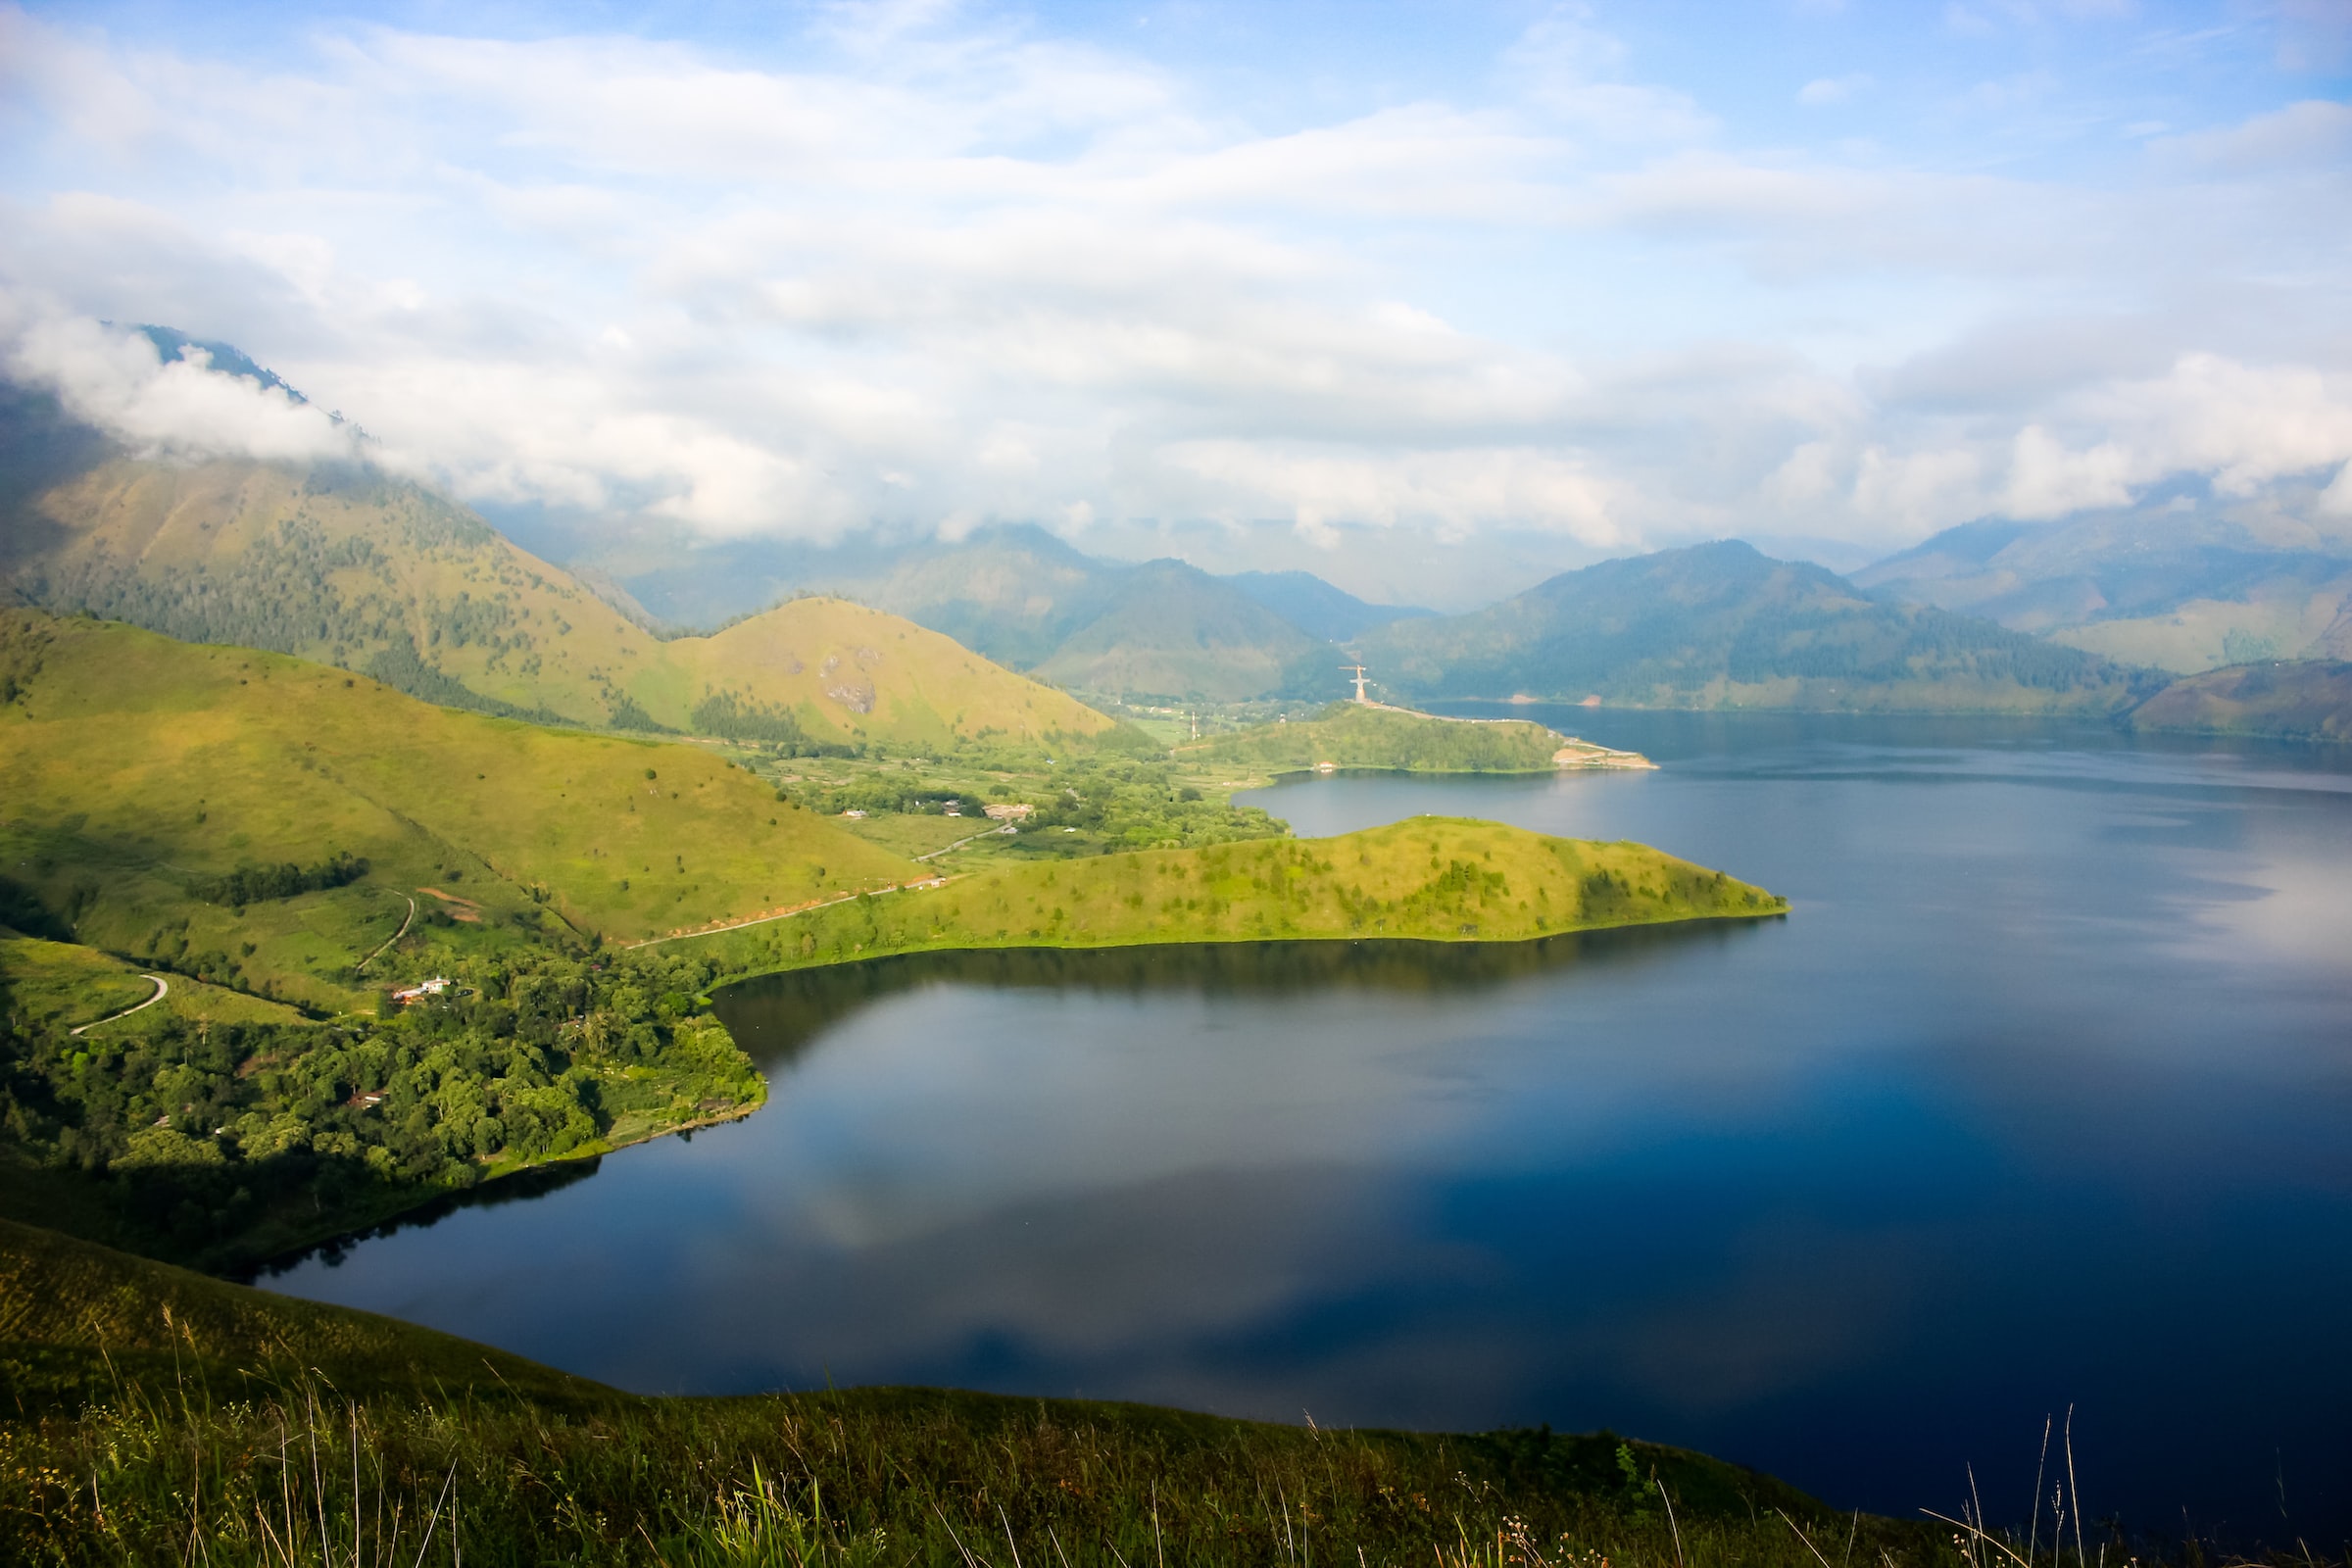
(2041, 1095)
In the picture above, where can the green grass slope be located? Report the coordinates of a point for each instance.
(1360, 735)
(148, 1415)
(1432, 878)
(53, 985)
(2308, 700)
(350, 567)
(78, 1320)
(1719, 626)
(132, 767)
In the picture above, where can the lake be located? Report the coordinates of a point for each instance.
(2039, 1098)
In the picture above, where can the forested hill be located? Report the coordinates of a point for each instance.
(348, 565)
(1722, 625)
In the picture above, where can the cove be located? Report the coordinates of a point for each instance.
(2038, 1098)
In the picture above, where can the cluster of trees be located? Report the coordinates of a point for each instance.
(251, 884)
(1110, 801)
(221, 1143)
(740, 719)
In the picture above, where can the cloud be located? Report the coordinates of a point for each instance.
(921, 264)
(113, 378)
(1823, 91)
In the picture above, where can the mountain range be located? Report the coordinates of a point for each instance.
(346, 565)
(913, 641)
(2182, 583)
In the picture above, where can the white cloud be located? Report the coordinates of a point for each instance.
(926, 265)
(113, 378)
(1823, 91)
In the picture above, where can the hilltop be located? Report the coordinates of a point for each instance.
(348, 565)
(1721, 625)
(1373, 736)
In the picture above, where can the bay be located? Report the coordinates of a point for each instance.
(2038, 1099)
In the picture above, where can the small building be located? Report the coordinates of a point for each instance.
(437, 986)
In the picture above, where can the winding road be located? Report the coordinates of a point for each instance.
(163, 988)
(396, 936)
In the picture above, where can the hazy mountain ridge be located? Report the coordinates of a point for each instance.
(2183, 586)
(1723, 625)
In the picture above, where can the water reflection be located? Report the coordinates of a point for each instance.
(775, 1017)
(2036, 1098)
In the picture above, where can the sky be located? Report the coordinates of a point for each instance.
(1419, 296)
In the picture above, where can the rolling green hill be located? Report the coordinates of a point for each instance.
(1373, 736)
(1439, 879)
(134, 768)
(350, 566)
(1720, 625)
(69, 1309)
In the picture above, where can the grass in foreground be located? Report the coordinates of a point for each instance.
(151, 1414)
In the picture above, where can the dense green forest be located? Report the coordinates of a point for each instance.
(216, 1143)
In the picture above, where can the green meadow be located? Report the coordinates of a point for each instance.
(132, 768)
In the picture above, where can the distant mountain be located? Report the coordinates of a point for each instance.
(1027, 598)
(1722, 625)
(348, 565)
(2181, 585)
(2307, 699)
(1316, 608)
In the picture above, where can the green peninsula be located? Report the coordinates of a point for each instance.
(230, 874)
(1373, 735)
(1430, 878)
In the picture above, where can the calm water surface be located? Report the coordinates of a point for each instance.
(2040, 1097)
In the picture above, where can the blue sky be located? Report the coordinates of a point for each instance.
(1420, 296)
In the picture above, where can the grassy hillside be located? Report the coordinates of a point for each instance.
(1442, 879)
(1360, 735)
(2306, 700)
(69, 1309)
(134, 768)
(61, 985)
(1721, 625)
(353, 568)
(183, 1417)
